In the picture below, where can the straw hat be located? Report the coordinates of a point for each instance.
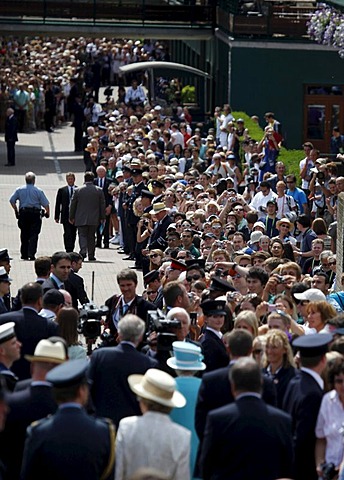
(47, 351)
(284, 220)
(157, 386)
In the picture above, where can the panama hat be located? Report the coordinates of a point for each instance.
(48, 351)
(157, 386)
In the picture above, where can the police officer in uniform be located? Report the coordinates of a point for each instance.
(5, 261)
(31, 200)
(69, 444)
(9, 353)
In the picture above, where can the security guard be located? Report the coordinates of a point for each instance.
(31, 200)
(5, 261)
(69, 444)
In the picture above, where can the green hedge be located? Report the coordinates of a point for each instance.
(290, 158)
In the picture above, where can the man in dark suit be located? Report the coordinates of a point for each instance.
(30, 327)
(103, 229)
(31, 404)
(59, 446)
(87, 212)
(302, 401)
(11, 137)
(63, 198)
(215, 354)
(158, 236)
(127, 302)
(238, 436)
(114, 399)
(75, 284)
(215, 390)
(132, 219)
(61, 265)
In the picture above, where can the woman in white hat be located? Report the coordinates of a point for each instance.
(153, 440)
(187, 361)
(285, 227)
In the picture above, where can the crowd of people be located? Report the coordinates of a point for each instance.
(230, 362)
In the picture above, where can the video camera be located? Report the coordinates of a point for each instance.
(90, 320)
(165, 329)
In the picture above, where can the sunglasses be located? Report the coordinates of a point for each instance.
(284, 226)
(150, 292)
(257, 351)
(238, 210)
(186, 236)
(193, 277)
(154, 255)
(332, 263)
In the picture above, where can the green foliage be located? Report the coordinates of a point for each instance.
(290, 158)
(188, 94)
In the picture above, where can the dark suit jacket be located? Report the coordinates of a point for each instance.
(49, 284)
(215, 392)
(139, 307)
(281, 381)
(68, 445)
(62, 204)
(238, 437)
(87, 206)
(158, 236)
(11, 129)
(214, 350)
(108, 372)
(302, 401)
(25, 407)
(75, 286)
(107, 196)
(30, 328)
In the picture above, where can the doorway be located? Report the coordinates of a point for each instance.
(323, 110)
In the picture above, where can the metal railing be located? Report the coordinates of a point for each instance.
(165, 12)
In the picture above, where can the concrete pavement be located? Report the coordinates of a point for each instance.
(50, 156)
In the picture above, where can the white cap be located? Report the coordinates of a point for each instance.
(312, 295)
(7, 332)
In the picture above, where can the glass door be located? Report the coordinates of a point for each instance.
(323, 110)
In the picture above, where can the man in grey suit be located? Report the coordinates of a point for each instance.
(87, 211)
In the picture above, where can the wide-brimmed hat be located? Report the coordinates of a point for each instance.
(159, 207)
(284, 220)
(157, 386)
(187, 356)
(48, 351)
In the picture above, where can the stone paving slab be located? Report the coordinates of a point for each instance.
(50, 156)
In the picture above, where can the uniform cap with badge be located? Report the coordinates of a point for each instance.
(4, 256)
(68, 374)
(7, 332)
(4, 275)
(213, 307)
(313, 345)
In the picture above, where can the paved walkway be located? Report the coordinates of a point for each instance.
(50, 156)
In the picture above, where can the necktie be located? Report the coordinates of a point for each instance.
(125, 309)
(70, 192)
(101, 183)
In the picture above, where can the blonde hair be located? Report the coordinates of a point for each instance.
(250, 318)
(279, 339)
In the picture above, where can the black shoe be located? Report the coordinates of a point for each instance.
(122, 252)
(107, 246)
(98, 245)
(32, 258)
(134, 267)
(92, 259)
(129, 258)
(24, 258)
(9, 165)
